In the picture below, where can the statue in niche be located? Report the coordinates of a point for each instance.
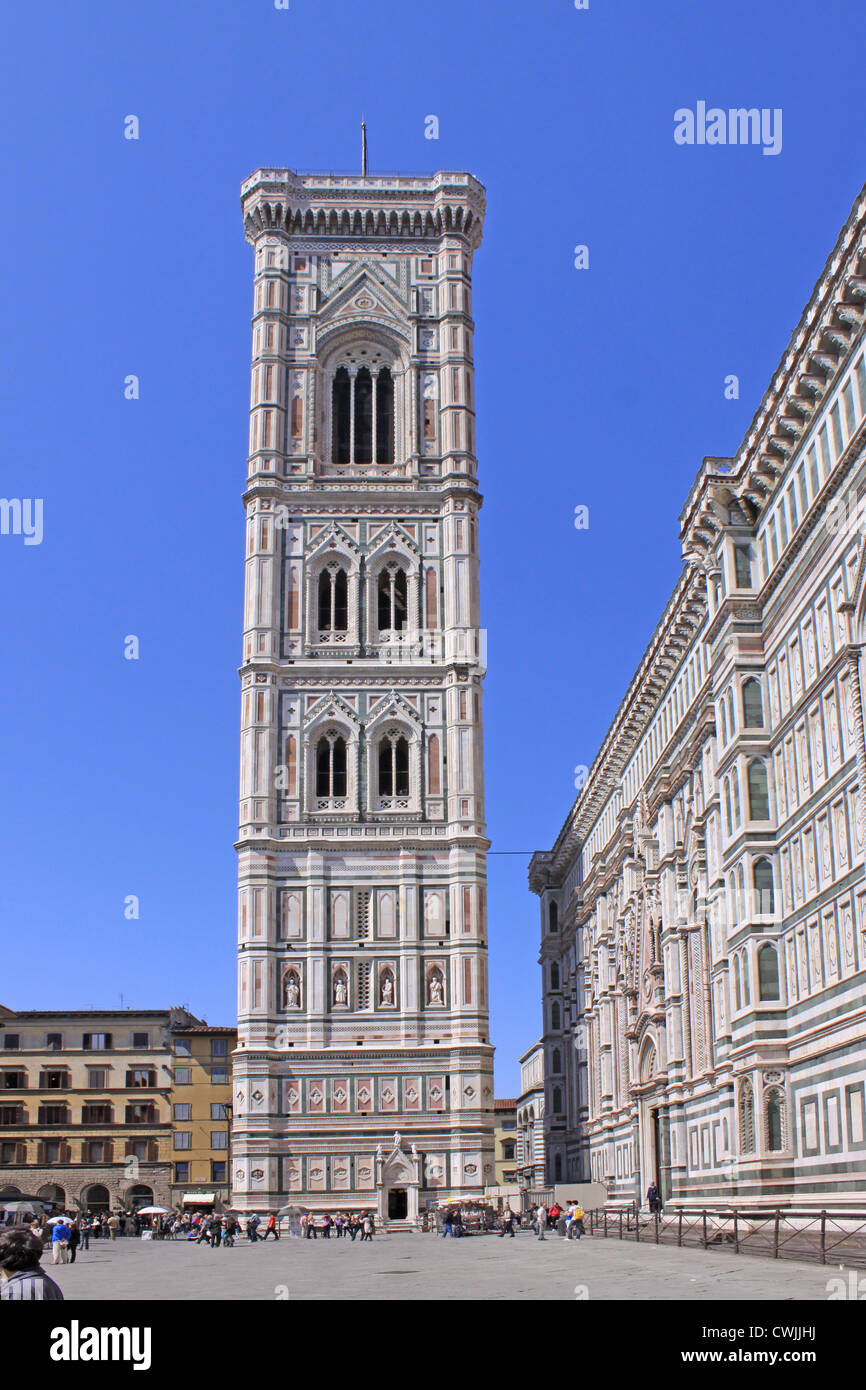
(341, 993)
(387, 996)
(435, 995)
(292, 991)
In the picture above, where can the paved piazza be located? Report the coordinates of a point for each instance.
(410, 1266)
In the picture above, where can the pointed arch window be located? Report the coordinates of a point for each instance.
(753, 705)
(331, 766)
(747, 989)
(774, 1114)
(384, 416)
(768, 973)
(555, 1018)
(759, 791)
(333, 599)
(341, 415)
(554, 976)
(765, 897)
(738, 988)
(553, 917)
(556, 1061)
(392, 595)
(393, 766)
(362, 415)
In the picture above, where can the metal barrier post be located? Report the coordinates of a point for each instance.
(705, 1229)
(620, 1223)
(736, 1234)
(636, 1222)
(823, 1237)
(680, 1228)
(776, 1235)
(657, 1228)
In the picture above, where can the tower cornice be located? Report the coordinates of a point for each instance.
(409, 206)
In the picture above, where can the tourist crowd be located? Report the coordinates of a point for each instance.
(567, 1221)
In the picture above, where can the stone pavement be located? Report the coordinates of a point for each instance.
(408, 1266)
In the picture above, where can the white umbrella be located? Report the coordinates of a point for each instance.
(52, 1220)
(153, 1211)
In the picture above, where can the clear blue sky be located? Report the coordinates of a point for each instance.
(602, 387)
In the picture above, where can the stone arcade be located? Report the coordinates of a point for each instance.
(363, 1076)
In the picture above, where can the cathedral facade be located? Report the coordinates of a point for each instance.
(703, 910)
(363, 1076)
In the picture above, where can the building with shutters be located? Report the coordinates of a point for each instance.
(363, 1076)
(703, 910)
(201, 1115)
(85, 1105)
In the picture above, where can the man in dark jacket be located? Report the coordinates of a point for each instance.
(22, 1277)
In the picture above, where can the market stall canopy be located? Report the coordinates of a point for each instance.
(198, 1198)
(153, 1211)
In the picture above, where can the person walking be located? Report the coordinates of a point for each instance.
(84, 1231)
(327, 1223)
(508, 1223)
(22, 1278)
(577, 1227)
(253, 1225)
(74, 1241)
(60, 1234)
(113, 1225)
(353, 1226)
(368, 1228)
(271, 1228)
(653, 1198)
(541, 1220)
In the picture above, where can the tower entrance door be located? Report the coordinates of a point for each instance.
(398, 1204)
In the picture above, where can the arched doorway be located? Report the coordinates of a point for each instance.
(52, 1192)
(654, 1126)
(139, 1196)
(96, 1198)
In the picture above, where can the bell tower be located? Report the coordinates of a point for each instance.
(363, 1076)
